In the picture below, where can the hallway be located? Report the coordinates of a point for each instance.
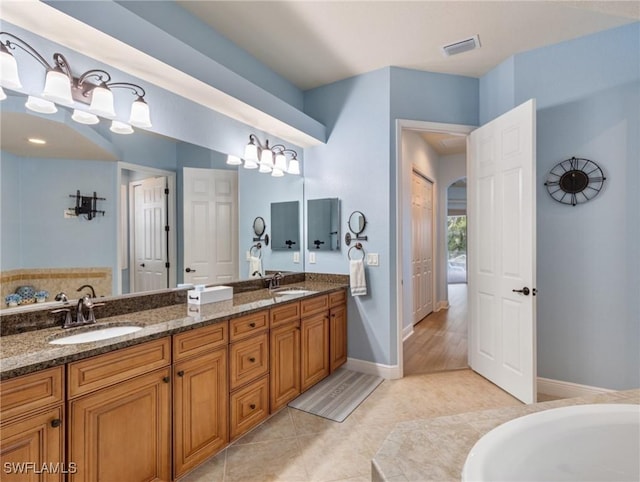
(439, 341)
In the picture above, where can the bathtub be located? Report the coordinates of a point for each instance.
(577, 443)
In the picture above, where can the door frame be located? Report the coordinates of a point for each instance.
(404, 168)
(171, 212)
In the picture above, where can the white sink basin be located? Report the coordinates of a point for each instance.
(291, 291)
(96, 335)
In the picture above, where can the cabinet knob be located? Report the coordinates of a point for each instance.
(56, 422)
(252, 360)
(252, 406)
(181, 373)
(166, 379)
(252, 325)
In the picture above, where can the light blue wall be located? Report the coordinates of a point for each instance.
(588, 263)
(497, 93)
(9, 211)
(354, 167)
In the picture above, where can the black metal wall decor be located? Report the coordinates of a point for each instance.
(87, 205)
(575, 181)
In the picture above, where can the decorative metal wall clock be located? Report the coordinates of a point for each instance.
(574, 181)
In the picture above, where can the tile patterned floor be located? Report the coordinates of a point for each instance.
(299, 447)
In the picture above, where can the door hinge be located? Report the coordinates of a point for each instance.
(166, 228)
(167, 264)
(166, 190)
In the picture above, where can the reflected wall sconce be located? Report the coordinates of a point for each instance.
(267, 159)
(92, 88)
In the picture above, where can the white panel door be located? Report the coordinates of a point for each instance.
(422, 246)
(210, 225)
(150, 243)
(501, 251)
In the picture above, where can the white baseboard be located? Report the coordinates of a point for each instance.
(390, 372)
(442, 305)
(558, 388)
(407, 331)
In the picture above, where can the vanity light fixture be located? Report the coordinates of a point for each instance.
(269, 159)
(3, 96)
(93, 87)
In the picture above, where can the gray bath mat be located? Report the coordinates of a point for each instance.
(338, 395)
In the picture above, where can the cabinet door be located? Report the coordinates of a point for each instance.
(285, 365)
(200, 409)
(315, 349)
(338, 335)
(31, 448)
(123, 432)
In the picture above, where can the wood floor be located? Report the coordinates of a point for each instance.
(439, 341)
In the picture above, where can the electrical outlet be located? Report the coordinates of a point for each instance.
(296, 257)
(373, 259)
(312, 257)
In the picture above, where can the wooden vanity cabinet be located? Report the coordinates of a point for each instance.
(120, 427)
(285, 382)
(337, 329)
(248, 372)
(314, 333)
(32, 427)
(200, 396)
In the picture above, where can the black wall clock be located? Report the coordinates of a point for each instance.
(574, 181)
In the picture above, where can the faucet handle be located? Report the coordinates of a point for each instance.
(68, 320)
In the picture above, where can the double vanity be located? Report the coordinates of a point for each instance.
(187, 380)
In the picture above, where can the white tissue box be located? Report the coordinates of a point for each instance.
(210, 295)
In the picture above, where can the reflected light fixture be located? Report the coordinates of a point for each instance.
(35, 140)
(3, 96)
(93, 87)
(269, 159)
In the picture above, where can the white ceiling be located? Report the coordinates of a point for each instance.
(314, 43)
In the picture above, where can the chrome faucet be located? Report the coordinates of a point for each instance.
(93, 292)
(83, 303)
(274, 282)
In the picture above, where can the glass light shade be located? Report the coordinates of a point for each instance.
(8, 70)
(3, 96)
(40, 105)
(83, 117)
(57, 87)
(233, 160)
(251, 153)
(264, 168)
(249, 164)
(140, 114)
(266, 158)
(294, 167)
(102, 102)
(281, 162)
(277, 172)
(120, 127)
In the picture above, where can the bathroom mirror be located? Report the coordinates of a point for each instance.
(357, 222)
(285, 234)
(81, 248)
(323, 224)
(259, 226)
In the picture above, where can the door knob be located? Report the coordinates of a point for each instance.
(189, 270)
(525, 291)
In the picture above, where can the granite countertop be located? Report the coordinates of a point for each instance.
(31, 351)
(436, 449)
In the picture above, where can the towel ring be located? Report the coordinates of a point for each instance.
(257, 247)
(357, 246)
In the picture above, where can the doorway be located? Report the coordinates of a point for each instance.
(457, 232)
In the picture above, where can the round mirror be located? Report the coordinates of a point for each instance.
(357, 222)
(259, 226)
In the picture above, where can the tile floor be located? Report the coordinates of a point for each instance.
(296, 446)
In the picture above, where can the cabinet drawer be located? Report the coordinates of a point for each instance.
(314, 305)
(337, 298)
(30, 392)
(200, 340)
(248, 360)
(248, 407)
(103, 370)
(284, 314)
(248, 325)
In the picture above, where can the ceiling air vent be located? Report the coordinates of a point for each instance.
(465, 45)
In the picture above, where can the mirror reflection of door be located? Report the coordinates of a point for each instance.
(150, 247)
(210, 225)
